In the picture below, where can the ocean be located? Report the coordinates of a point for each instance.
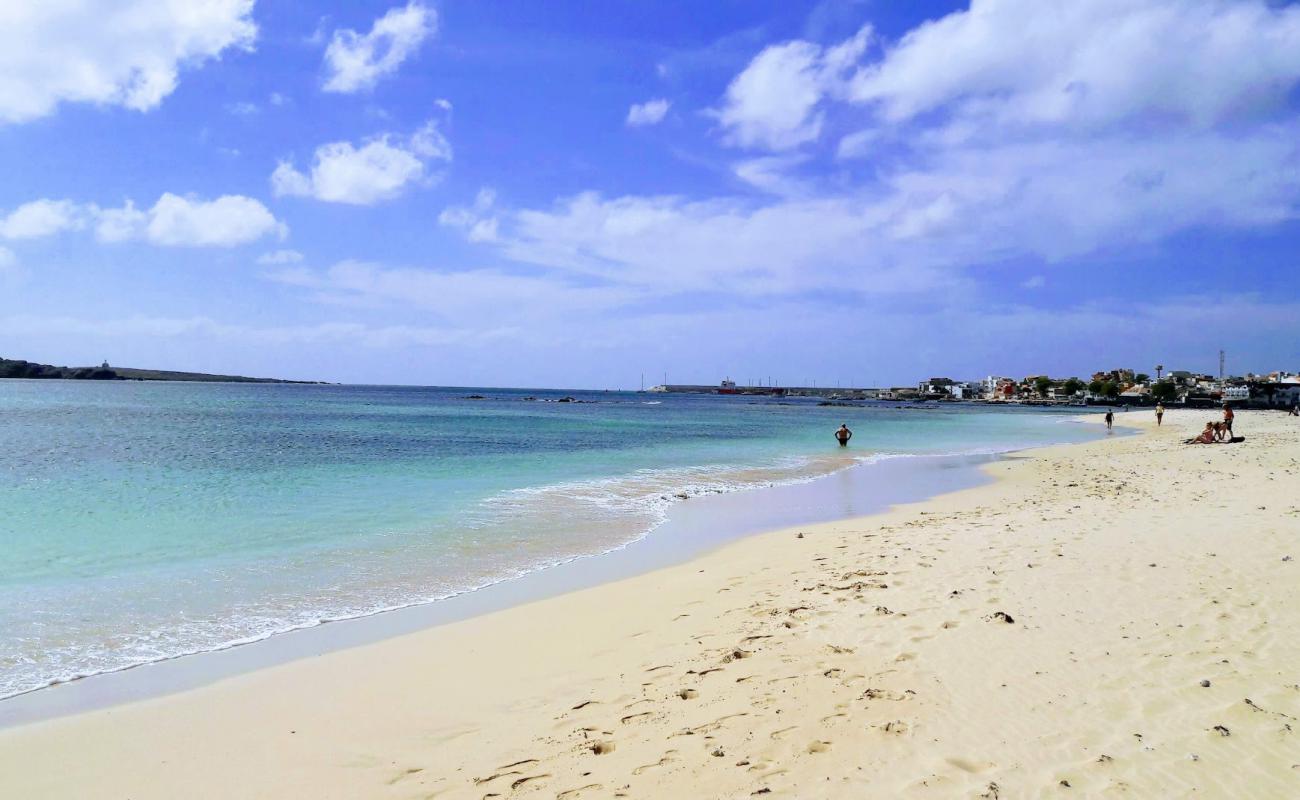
(140, 522)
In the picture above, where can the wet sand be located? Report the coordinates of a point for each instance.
(1115, 618)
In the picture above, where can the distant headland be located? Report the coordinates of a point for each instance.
(10, 368)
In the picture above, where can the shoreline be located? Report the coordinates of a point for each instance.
(1090, 620)
(729, 516)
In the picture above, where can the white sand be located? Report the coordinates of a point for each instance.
(864, 659)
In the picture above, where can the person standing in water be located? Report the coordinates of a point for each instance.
(1110, 419)
(1160, 413)
(843, 435)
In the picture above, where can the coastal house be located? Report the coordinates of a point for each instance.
(1119, 377)
(1283, 394)
(936, 387)
(992, 385)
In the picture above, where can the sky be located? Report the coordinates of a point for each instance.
(579, 194)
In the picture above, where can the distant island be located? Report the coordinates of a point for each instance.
(10, 368)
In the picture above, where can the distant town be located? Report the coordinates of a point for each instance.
(1279, 389)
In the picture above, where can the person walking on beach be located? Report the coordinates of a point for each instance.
(1160, 413)
(1110, 419)
(1227, 420)
(843, 435)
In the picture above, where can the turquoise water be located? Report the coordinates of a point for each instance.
(143, 521)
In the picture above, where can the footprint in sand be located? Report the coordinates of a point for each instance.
(973, 767)
(404, 774)
(529, 779)
(666, 759)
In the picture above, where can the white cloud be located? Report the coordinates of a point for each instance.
(226, 221)
(773, 174)
(380, 169)
(172, 221)
(477, 220)
(280, 257)
(650, 112)
(1034, 282)
(119, 224)
(916, 226)
(354, 62)
(773, 103)
(40, 218)
(988, 171)
(1090, 62)
(109, 52)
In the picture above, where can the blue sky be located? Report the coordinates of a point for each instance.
(548, 194)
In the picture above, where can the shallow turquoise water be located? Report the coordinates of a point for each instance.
(141, 521)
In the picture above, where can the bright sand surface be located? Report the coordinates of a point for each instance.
(1117, 618)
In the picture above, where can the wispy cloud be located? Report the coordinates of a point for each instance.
(355, 62)
(651, 112)
(986, 144)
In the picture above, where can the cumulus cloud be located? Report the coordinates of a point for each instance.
(773, 103)
(40, 218)
(650, 112)
(126, 53)
(172, 221)
(354, 62)
(381, 168)
(1090, 63)
(224, 222)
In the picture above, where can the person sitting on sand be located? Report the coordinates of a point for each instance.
(1295, 409)
(1207, 436)
(843, 435)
